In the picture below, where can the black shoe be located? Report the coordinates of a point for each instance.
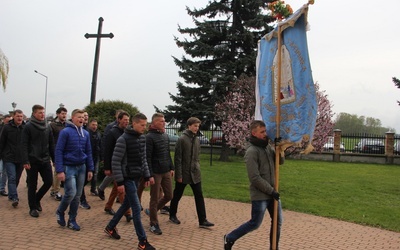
(113, 233)
(164, 210)
(34, 213)
(117, 200)
(145, 245)
(94, 193)
(206, 224)
(85, 205)
(109, 211)
(58, 197)
(227, 244)
(128, 218)
(15, 202)
(3, 193)
(101, 194)
(38, 207)
(155, 229)
(174, 220)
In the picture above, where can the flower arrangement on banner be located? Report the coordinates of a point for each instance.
(280, 10)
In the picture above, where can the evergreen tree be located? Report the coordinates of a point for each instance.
(221, 47)
(397, 84)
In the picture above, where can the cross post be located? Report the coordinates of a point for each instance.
(99, 35)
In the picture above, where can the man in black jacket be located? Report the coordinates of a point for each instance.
(38, 150)
(11, 153)
(161, 168)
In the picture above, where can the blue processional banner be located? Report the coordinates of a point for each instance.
(297, 92)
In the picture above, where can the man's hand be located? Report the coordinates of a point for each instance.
(107, 172)
(61, 176)
(89, 176)
(151, 180)
(121, 189)
(275, 195)
(27, 166)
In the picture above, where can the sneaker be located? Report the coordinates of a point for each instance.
(34, 213)
(15, 202)
(73, 225)
(109, 211)
(147, 211)
(206, 224)
(85, 205)
(164, 210)
(58, 196)
(101, 194)
(94, 193)
(174, 220)
(113, 233)
(3, 193)
(60, 218)
(155, 229)
(227, 244)
(145, 245)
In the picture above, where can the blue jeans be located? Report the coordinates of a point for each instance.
(257, 215)
(14, 171)
(73, 186)
(3, 177)
(131, 201)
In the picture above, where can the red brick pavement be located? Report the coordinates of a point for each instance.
(300, 231)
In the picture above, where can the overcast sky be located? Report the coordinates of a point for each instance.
(353, 45)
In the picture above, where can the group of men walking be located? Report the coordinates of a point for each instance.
(69, 152)
(132, 161)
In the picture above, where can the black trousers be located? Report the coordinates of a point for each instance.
(198, 197)
(45, 171)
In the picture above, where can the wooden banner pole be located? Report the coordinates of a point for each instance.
(277, 147)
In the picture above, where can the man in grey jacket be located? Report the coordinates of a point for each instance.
(260, 163)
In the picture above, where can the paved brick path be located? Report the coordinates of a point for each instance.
(300, 231)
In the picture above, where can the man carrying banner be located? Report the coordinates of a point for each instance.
(260, 164)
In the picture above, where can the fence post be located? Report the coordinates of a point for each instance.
(389, 147)
(337, 138)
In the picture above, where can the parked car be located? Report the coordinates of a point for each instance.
(216, 138)
(396, 148)
(203, 139)
(328, 146)
(173, 137)
(370, 146)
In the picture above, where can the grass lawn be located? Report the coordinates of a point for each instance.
(367, 194)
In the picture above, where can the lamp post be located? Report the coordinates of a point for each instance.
(45, 94)
(213, 84)
(14, 105)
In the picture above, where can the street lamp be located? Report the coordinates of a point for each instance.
(213, 84)
(45, 94)
(14, 105)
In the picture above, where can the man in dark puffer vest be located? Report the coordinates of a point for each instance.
(129, 163)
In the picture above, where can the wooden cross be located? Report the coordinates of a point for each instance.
(96, 57)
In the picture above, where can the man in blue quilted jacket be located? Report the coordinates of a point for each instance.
(73, 155)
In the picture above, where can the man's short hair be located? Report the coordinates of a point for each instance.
(255, 124)
(7, 116)
(61, 109)
(122, 114)
(138, 117)
(17, 111)
(77, 111)
(157, 115)
(193, 120)
(37, 107)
